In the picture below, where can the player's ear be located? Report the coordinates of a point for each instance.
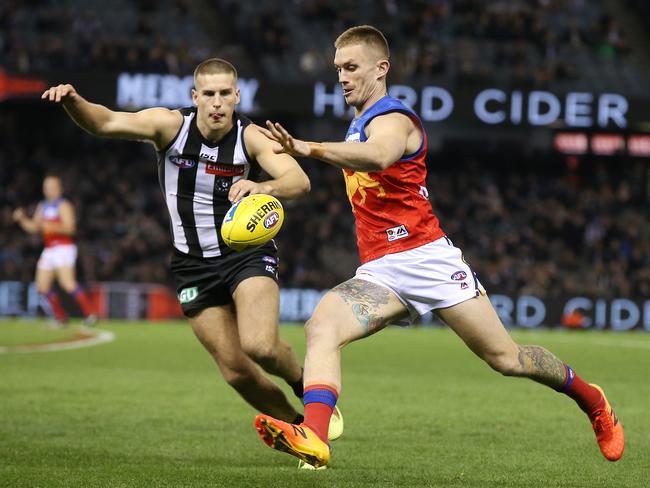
(383, 65)
(195, 97)
(237, 96)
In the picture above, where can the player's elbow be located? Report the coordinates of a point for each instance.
(380, 163)
(305, 185)
(301, 186)
(382, 160)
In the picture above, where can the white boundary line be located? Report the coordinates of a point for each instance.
(599, 338)
(100, 337)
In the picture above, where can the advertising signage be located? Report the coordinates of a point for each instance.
(463, 107)
(137, 301)
(485, 106)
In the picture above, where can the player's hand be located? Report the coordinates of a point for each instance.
(288, 145)
(244, 188)
(59, 93)
(18, 215)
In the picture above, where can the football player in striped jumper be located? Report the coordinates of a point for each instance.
(210, 156)
(408, 265)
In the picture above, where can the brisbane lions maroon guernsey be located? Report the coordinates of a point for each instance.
(391, 207)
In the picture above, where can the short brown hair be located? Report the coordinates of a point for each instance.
(214, 66)
(364, 34)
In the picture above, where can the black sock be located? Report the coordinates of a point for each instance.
(297, 386)
(299, 419)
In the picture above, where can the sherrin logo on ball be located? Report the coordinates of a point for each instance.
(252, 221)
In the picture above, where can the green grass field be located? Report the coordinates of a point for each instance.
(150, 410)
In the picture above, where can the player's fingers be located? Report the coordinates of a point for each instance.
(57, 94)
(60, 93)
(266, 132)
(233, 194)
(45, 94)
(274, 131)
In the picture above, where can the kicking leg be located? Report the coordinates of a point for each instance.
(351, 311)
(477, 324)
(216, 328)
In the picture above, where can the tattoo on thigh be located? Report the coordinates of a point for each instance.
(542, 366)
(365, 300)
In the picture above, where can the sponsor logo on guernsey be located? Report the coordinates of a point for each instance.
(183, 163)
(221, 169)
(271, 220)
(208, 156)
(459, 276)
(260, 215)
(398, 232)
(270, 269)
(270, 259)
(188, 294)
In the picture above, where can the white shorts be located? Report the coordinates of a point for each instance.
(61, 256)
(426, 278)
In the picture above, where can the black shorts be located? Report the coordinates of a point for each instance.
(210, 282)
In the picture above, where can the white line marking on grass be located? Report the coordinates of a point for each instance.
(608, 339)
(627, 343)
(99, 337)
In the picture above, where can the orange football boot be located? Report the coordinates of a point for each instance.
(608, 429)
(298, 440)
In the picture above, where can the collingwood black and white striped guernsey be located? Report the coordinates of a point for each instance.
(195, 176)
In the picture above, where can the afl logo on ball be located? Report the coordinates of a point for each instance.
(271, 220)
(459, 276)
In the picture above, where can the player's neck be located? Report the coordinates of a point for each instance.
(377, 94)
(213, 136)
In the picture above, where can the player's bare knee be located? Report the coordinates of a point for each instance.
(262, 354)
(238, 376)
(319, 332)
(68, 287)
(504, 362)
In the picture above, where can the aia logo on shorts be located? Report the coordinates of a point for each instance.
(459, 276)
(183, 163)
(271, 220)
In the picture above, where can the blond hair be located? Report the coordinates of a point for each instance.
(364, 34)
(214, 66)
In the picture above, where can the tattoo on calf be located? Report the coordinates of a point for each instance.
(365, 300)
(542, 366)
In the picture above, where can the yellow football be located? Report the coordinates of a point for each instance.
(252, 221)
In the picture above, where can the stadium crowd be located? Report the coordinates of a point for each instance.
(544, 231)
(531, 43)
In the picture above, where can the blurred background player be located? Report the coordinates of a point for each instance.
(208, 157)
(55, 219)
(408, 265)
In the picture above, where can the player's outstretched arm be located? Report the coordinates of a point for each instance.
(387, 141)
(288, 178)
(30, 225)
(156, 125)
